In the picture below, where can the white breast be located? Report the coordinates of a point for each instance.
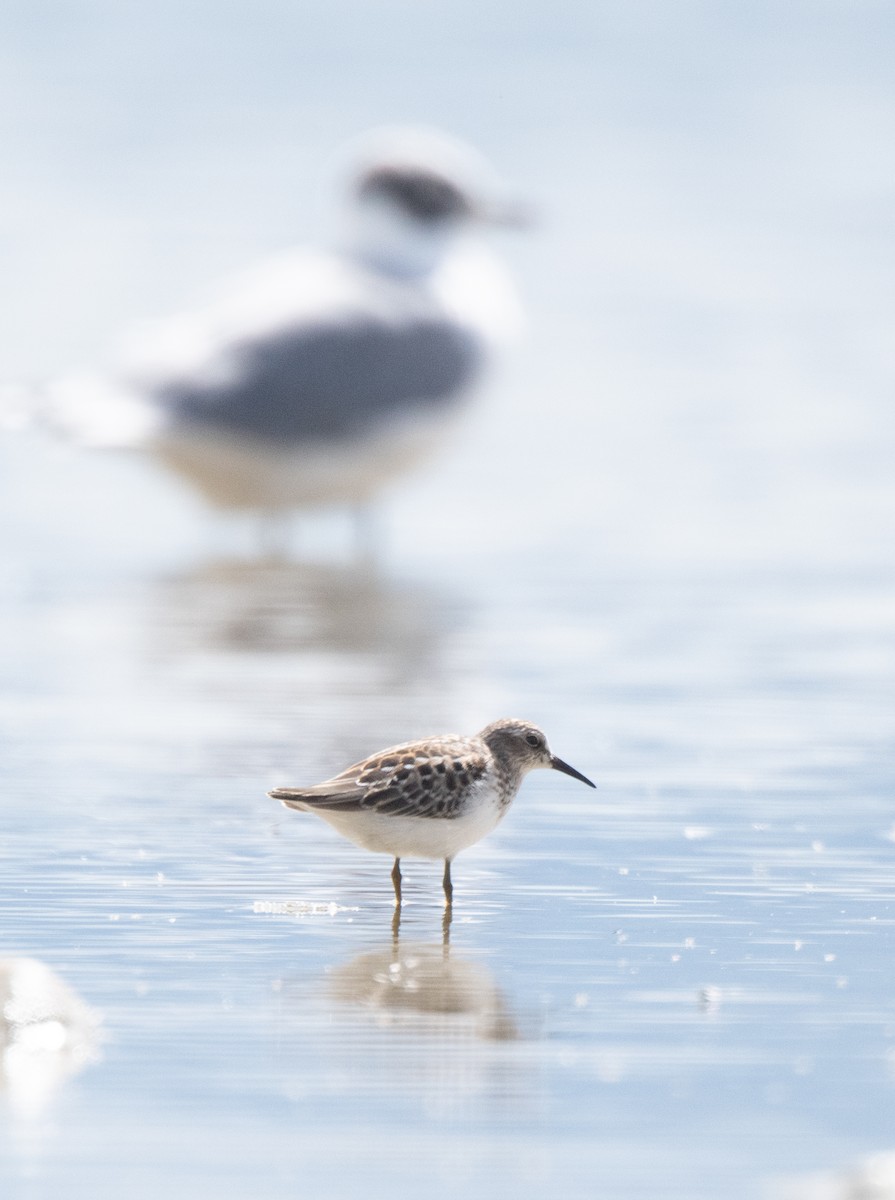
(420, 837)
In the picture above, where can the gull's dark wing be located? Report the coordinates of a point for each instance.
(320, 382)
(399, 782)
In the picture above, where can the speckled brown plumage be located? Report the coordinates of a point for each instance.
(420, 779)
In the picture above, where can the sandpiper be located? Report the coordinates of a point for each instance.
(431, 798)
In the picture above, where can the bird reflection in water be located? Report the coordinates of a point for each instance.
(47, 1034)
(289, 643)
(276, 605)
(423, 985)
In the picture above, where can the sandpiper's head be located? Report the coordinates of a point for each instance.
(413, 191)
(523, 747)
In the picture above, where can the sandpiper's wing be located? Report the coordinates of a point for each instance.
(421, 779)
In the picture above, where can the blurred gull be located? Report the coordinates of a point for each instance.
(322, 374)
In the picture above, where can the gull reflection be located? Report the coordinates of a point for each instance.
(47, 1033)
(275, 606)
(289, 644)
(423, 985)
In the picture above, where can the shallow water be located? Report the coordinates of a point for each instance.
(679, 981)
(665, 537)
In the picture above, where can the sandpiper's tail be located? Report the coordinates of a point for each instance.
(291, 797)
(338, 794)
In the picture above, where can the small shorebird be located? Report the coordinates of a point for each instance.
(432, 798)
(326, 372)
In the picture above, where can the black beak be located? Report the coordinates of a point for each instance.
(558, 765)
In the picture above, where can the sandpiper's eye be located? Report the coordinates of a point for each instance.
(533, 740)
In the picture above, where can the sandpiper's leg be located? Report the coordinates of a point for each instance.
(446, 928)
(446, 883)
(396, 880)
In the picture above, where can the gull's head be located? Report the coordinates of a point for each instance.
(413, 193)
(523, 747)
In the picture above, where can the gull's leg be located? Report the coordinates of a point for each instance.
(274, 534)
(447, 885)
(367, 534)
(396, 880)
